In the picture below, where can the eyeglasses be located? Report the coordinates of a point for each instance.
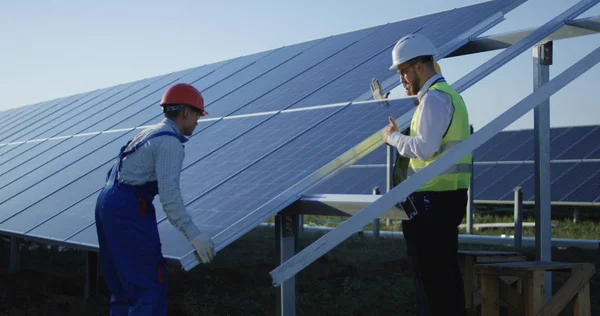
(403, 71)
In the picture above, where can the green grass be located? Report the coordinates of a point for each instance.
(361, 276)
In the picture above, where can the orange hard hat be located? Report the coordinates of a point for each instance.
(183, 93)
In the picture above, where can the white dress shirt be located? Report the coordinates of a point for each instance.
(434, 119)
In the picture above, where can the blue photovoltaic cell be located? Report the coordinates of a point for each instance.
(21, 153)
(589, 190)
(26, 116)
(47, 118)
(308, 82)
(35, 169)
(496, 153)
(50, 194)
(55, 173)
(276, 84)
(573, 181)
(582, 147)
(488, 178)
(561, 177)
(67, 112)
(129, 94)
(594, 154)
(505, 183)
(120, 111)
(359, 180)
(29, 160)
(377, 156)
(441, 28)
(564, 142)
(525, 149)
(143, 113)
(81, 113)
(216, 91)
(481, 151)
(11, 115)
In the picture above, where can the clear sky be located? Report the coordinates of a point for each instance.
(51, 49)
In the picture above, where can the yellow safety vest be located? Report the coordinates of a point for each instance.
(458, 176)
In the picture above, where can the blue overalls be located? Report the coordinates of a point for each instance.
(130, 248)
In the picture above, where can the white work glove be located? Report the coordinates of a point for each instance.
(204, 247)
(376, 90)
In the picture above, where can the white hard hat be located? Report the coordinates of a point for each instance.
(411, 46)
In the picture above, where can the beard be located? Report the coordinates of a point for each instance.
(412, 88)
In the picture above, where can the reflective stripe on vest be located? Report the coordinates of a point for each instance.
(458, 176)
(458, 168)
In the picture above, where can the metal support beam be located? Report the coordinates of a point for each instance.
(376, 220)
(576, 215)
(287, 234)
(91, 274)
(300, 223)
(571, 29)
(389, 175)
(542, 59)
(15, 255)
(471, 206)
(518, 213)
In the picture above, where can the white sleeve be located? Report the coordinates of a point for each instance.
(169, 157)
(434, 119)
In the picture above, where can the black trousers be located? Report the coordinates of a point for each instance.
(432, 244)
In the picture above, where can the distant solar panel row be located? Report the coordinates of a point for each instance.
(501, 164)
(238, 170)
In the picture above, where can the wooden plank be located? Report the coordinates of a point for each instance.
(582, 302)
(511, 297)
(499, 259)
(521, 268)
(490, 296)
(470, 284)
(579, 278)
(534, 292)
(488, 253)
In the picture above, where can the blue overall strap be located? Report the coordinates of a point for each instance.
(144, 141)
(112, 176)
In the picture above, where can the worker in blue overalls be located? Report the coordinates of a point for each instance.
(149, 164)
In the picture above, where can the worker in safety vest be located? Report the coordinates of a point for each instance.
(440, 121)
(126, 223)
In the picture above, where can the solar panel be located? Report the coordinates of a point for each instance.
(57, 114)
(497, 152)
(589, 189)
(10, 115)
(564, 143)
(582, 147)
(26, 115)
(238, 170)
(498, 139)
(273, 90)
(215, 90)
